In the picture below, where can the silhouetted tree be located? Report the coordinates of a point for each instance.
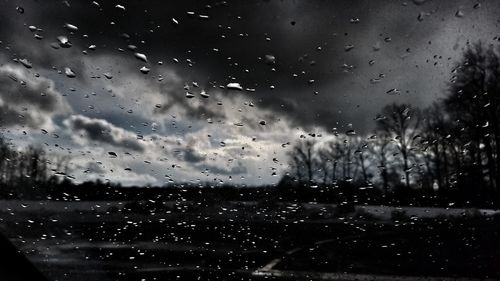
(474, 103)
(380, 151)
(303, 160)
(401, 123)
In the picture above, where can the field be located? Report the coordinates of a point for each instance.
(183, 240)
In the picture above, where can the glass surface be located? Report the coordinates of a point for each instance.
(251, 140)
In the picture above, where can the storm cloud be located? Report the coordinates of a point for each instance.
(215, 43)
(162, 67)
(226, 170)
(191, 156)
(99, 130)
(26, 99)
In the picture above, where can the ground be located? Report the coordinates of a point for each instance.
(240, 240)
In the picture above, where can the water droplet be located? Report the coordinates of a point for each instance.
(270, 59)
(112, 154)
(354, 20)
(108, 75)
(20, 9)
(64, 42)
(349, 47)
(393, 92)
(459, 14)
(69, 73)
(350, 132)
(189, 95)
(141, 57)
(262, 122)
(71, 27)
(120, 7)
(12, 77)
(347, 67)
(26, 63)
(144, 70)
(204, 94)
(421, 16)
(175, 21)
(234, 86)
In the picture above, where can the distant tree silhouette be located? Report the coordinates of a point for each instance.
(362, 161)
(380, 151)
(324, 163)
(474, 105)
(335, 152)
(27, 173)
(446, 153)
(303, 160)
(441, 152)
(401, 122)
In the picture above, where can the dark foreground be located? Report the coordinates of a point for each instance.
(252, 242)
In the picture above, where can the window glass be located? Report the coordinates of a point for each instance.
(251, 140)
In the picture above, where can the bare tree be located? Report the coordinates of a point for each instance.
(303, 160)
(362, 161)
(336, 153)
(380, 150)
(402, 123)
(474, 100)
(324, 162)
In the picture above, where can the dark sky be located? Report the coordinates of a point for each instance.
(303, 66)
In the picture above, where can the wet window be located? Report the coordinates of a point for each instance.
(249, 140)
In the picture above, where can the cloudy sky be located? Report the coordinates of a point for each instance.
(215, 91)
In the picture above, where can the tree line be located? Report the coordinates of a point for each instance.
(29, 173)
(446, 154)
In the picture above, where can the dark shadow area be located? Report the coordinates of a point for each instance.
(14, 266)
